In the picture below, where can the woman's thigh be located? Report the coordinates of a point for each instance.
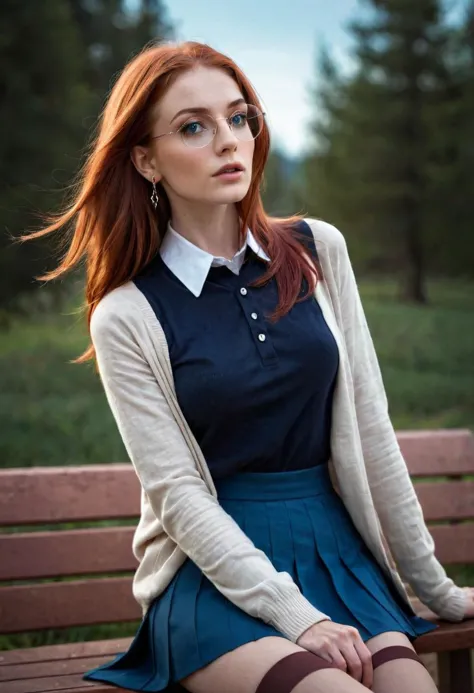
(387, 640)
(242, 670)
(399, 674)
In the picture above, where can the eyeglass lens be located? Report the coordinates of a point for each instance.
(246, 123)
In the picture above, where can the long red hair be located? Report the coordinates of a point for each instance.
(115, 228)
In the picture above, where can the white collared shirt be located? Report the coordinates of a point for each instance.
(191, 264)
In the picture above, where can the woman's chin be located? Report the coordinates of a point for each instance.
(231, 195)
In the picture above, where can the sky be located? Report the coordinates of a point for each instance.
(276, 43)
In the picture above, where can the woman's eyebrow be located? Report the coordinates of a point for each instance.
(201, 109)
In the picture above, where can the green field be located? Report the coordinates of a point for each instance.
(53, 412)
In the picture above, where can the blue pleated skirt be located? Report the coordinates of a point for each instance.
(301, 524)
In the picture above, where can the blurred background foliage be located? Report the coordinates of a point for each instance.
(58, 60)
(391, 164)
(393, 143)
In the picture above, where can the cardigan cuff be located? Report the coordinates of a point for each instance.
(293, 614)
(453, 606)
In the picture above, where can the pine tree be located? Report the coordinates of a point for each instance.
(44, 99)
(58, 60)
(376, 158)
(112, 33)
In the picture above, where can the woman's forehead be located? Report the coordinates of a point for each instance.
(202, 87)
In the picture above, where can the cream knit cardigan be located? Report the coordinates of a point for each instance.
(180, 512)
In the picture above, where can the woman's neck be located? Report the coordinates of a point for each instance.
(215, 230)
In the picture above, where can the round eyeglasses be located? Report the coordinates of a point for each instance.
(198, 131)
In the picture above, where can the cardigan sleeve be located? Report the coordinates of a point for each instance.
(395, 500)
(179, 497)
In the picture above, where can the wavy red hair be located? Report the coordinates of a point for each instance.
(115, 229)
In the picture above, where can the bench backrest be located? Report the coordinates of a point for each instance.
(96, 562)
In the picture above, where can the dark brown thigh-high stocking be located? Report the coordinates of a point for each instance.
(289, 671)
(393, 672)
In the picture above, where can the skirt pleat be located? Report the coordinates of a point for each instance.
(300, 523)
(344, 572)
(188, 591)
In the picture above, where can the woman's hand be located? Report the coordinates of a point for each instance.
(341, 645)
(469, 613)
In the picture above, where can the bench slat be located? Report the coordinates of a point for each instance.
(44, 495)
(438, 453)
(65, 684)
(66, 553)
(61, 667)
(451, 500)
(449, 637)
(74, 650)
(56, 661)
(64, 604)
(454, 543)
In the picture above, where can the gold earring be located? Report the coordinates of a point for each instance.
(154, 196)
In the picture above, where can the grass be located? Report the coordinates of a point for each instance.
(55, 413)
(51, 411)
(426, 354)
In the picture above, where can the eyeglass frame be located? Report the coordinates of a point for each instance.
(227, 118)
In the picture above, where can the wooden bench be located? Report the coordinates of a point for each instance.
(30, 599)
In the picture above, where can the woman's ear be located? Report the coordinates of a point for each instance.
(144, 162)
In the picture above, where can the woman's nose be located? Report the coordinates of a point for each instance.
(225, 138)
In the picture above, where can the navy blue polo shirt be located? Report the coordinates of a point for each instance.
(256, 394)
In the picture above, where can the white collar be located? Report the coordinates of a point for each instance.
(191, 264)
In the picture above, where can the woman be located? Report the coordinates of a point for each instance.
(237, 361)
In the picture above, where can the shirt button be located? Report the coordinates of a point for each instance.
(261, 337)
(254, 316)
(243, 291)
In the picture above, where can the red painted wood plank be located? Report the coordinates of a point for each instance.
(454, 543)
(64, 604)
(438, 452)
(451, 500)
(61, 494)
(66, 553)
(74, 650)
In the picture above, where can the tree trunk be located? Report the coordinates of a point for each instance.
(412, 281)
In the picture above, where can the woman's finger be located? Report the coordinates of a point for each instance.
(354, 664)
(337, 659)
(365, 656)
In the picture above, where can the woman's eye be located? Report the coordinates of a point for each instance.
(239, 120)
(191, 128)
